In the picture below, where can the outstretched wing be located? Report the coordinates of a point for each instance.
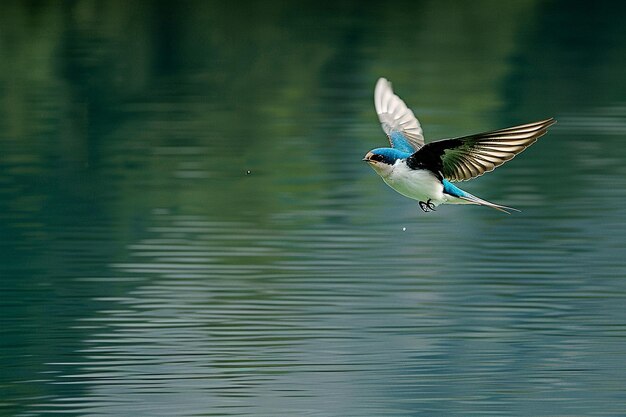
(396, 119)
(467, 157)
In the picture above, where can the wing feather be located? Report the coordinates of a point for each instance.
(396, 117)
(467, 157)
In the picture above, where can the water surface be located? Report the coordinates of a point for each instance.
(186, 226)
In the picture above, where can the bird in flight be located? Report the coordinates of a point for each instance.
(425, 171)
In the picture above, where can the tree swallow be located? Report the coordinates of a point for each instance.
(424, 172)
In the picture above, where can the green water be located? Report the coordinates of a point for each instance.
(145, 272)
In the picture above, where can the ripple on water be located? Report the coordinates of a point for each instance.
(225, 314)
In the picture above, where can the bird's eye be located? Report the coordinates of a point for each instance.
(377, 158)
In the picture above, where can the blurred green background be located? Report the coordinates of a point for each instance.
(144, 271)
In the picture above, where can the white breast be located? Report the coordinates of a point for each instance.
(418, 184)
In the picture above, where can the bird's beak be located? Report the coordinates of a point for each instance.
(368, 157)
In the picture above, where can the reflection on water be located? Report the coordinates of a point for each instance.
(187, 228)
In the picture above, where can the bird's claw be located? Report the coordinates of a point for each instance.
(427, 206)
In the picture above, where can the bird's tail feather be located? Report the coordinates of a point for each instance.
(475, 200)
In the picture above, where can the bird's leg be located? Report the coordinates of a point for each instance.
(427, 206)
